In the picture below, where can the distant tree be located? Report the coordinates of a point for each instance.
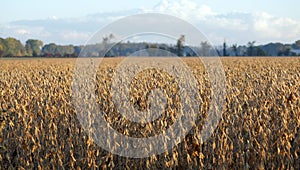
(120, 48)
(111, 36)
(235, 49)
(224, 49)
(60, 51)
(33, 47)
(147, 46)
(285, 52)
(205, 48)
(14, 47)
(296, 45)
(77, 50)
(250, 50)
(153, 46)
(2, 47)
(273, 49)
(67, 50)
(293, 54)
(219, 51)
(260, 52)
(180, 45)
(105, 42)
(50, 49)
(107, 39)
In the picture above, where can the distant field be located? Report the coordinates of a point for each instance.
(259, 128)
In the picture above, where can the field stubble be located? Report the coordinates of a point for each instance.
(259, 128)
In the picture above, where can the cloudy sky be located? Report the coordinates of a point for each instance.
(75, 21)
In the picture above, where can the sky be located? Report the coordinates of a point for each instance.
(75, 21)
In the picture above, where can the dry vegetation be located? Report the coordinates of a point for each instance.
(260, 125)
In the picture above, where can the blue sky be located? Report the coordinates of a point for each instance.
(36, 9)
(74, 21)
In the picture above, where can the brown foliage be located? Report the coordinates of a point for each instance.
(260, 125)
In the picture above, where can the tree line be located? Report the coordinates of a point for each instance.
(11, 47)
(270, 49)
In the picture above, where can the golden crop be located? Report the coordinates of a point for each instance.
(259, 128)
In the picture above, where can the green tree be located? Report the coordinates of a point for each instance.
(235, 49)
(260, 52)
(67, 50)
(59, 50)
(2, 47)
(250, 50)
(50, 49)
(14, 47)
(33, 47)
(180, 45)
(287, 51)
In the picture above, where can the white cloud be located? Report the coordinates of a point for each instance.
(22, 31)
(235, 27)
(75, 37)
(267, 26)
(238, 26)
(53, 18)
(185, 9)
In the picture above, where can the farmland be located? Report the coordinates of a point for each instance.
(259, 127)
